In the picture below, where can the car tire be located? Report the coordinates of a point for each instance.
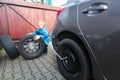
(76, 65)
(29, 52)
(10, 48)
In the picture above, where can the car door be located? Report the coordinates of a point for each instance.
(99, 20)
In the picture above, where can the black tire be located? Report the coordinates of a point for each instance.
(76, 66)
(30, 52)
(10, 48)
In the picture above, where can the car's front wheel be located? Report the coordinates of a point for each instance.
(76, 65)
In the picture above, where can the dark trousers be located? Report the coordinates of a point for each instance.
(45, 50)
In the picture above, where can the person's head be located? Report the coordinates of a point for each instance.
(41, 24)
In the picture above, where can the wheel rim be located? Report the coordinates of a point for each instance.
(70, 63)
(30, 46)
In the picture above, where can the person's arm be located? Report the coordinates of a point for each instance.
(44, 32)
(37, 32)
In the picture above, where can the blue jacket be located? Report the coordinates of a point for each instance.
(43, 32)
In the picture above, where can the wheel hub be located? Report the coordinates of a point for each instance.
(70, 62)
(31, 45)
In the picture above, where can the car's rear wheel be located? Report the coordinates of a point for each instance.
(7, 43)
(29, 48)
(76, 65)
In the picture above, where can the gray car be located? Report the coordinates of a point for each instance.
(87, 34)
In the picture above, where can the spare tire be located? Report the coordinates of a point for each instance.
(76, 65)
(10, 48)
(30, 49)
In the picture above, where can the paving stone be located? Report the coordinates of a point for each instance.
(21, 79)
(49, 76)
(51, 61)
(52, 70)
(8, 79)
(32, 79)
(58, 76)
(8, 66)
(16, 61)
(1, 73)
(18, 76)
(48, 65)
(1, 68)
(23, 62)
(44, 70)
(50, 58)
(54, 58)
(17, 65)
(17, 70)
(8, 61)
(7, 70)
(44, 61)
(40, 65)
(50, 54)
(54, 79)
(24, 65)
(1, 78)
(55, 65)
(34, 70)
(30, 62)
(25, 70)
(32, 66)
(28, 76)
(36, 61)
(38, 76)
(8, 76)
(43, 78)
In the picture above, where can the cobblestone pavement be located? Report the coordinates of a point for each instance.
(42, 68)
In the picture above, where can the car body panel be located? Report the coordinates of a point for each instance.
(99, 33)
(102, 32)
(59, 28)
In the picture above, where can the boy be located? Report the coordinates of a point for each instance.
(43, 33)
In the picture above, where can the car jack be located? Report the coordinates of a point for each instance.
(37, 37)
(54, 52)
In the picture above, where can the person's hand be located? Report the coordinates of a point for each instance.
(36, 37)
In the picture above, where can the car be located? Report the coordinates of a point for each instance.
(86, 37)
